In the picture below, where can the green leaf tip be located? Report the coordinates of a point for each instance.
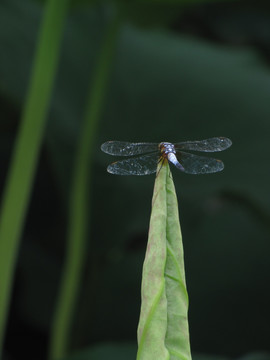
(163, 326)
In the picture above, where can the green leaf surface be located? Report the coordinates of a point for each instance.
(163, 327)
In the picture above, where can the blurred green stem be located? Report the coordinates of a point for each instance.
(79, 217)
(27, 147)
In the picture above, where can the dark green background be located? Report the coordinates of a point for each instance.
(179, 73)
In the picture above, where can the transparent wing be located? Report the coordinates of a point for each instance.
(194, 164)
(142, 165)
(208, 145)
(124, 148)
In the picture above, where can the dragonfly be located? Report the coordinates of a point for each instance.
(143, 158)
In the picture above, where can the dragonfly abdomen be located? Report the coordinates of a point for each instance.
(173, 159)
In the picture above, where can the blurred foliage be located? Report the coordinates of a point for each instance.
(205, 74)
(25, 156)
(123, 351)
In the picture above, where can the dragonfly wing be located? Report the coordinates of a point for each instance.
(208, 145)
(142, 165)
(124, 148)
(194, 164)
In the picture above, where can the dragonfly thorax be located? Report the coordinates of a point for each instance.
(166, 148)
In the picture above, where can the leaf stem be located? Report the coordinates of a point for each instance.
(79, 213)
(27, 147)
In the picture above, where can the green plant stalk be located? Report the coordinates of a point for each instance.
(79, 214)
(27, 146)
(163, 332)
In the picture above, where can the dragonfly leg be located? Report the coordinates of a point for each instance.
(161, 162)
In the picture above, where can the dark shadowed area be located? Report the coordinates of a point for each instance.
(179, 72)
